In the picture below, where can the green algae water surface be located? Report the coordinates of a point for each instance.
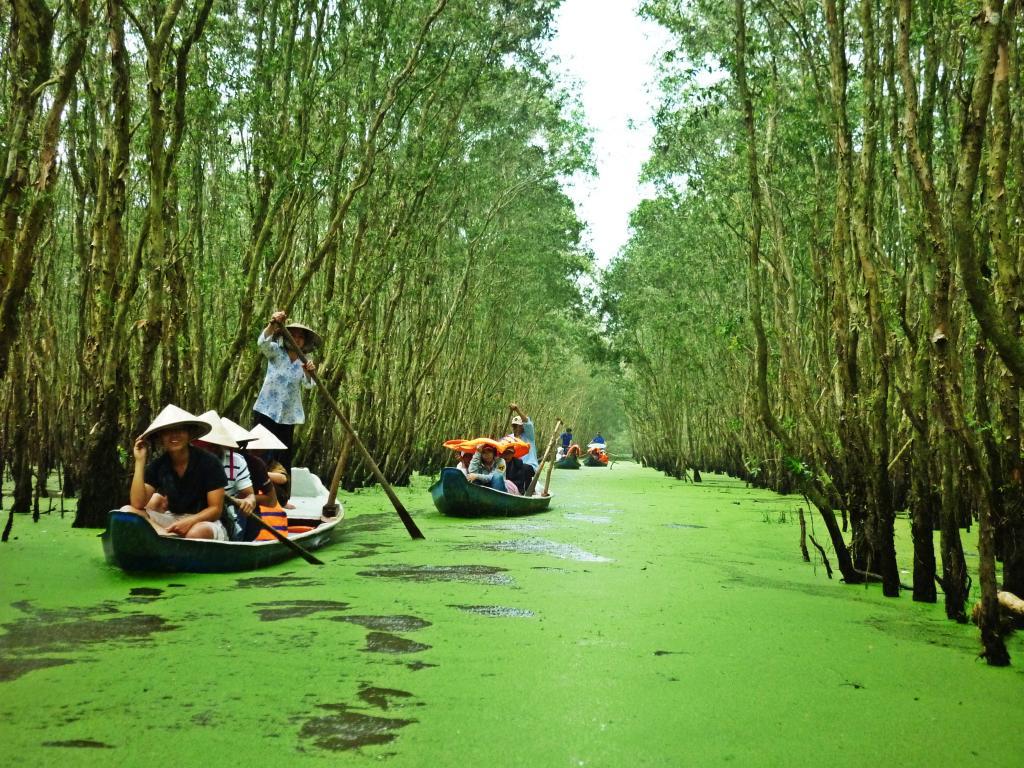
(640, 621)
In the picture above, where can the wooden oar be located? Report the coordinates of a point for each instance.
(407, 520)
(292, 545)
(536, 476)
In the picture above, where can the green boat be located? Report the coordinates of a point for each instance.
(132, 544)
(590, 461)
(454, 495)
(568, 462)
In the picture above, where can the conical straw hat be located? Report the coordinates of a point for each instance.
(265, 440)
(174, 417)
(238, 433)
(313, 339)
(217, 435)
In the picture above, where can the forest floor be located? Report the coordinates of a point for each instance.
(641, 621)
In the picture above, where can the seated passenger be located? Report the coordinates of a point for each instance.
(574, 450)
(517, 472)
(238, 488)
(508, 455)
(486, 468)
(264, 491)
(265, 446)
(190, 479)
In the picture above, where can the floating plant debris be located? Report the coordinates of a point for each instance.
(486, 574)
(495, 610)
(386, 623)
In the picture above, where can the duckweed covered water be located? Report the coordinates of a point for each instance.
(641, 621)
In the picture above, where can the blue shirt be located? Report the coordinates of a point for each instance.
(281, 395)
(566, 440)
(530, 436)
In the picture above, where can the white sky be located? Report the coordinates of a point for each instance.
(611, 53)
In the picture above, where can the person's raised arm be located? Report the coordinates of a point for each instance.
(140, 491)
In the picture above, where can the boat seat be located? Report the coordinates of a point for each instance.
(309, 494)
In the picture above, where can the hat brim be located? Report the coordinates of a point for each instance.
(196, 427)
(313, 339)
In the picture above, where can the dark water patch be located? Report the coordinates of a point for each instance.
(398, 623)
(671, 653)
(496, 610)
(344, 729)
(416, 666)
(478, 574)
(684, 525)
(384, 642)
(295, 609)
(43, 632)
(145, 592)
(177, 585)
(366, 549)
(78, 743)
(284, 580)
(941, 633)
(13, 668)
(381, 697)
(541, 547)
(369, 523)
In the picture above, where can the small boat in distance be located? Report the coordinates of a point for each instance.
(590, 461)
(454, 495)
(568, 462)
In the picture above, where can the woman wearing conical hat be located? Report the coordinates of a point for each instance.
(190, 479)
(279, 405)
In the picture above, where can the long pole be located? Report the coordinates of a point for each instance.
(410, 524)
(551, 442)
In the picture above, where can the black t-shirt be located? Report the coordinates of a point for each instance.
(519, 473)
(186, 495)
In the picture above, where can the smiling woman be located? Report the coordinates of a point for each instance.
(181, 492)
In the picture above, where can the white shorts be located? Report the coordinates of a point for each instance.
(164, 519)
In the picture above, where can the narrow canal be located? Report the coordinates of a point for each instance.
(641, 621)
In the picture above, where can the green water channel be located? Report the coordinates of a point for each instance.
(640, 621)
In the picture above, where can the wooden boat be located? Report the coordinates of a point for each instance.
(454, 495)
(590, 461)
(568, 462)
(131, 543)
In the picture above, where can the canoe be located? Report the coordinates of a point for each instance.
(568, 462)
(132, 544)
(590, 461)
(454, 495)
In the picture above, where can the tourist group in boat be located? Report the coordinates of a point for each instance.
(213, 476)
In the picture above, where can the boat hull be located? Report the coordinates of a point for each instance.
(132, 544)
(569, 462)
(455, 496)
(589, 461)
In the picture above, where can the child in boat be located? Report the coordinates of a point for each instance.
(517, 474)
(238, 486)
(264, 492)
(189, 479)
(463, 463)
(486, 467)
(279, 405)
(264, 447)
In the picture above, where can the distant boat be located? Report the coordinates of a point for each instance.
(454, 495)
(590, 461)
(568, 462)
